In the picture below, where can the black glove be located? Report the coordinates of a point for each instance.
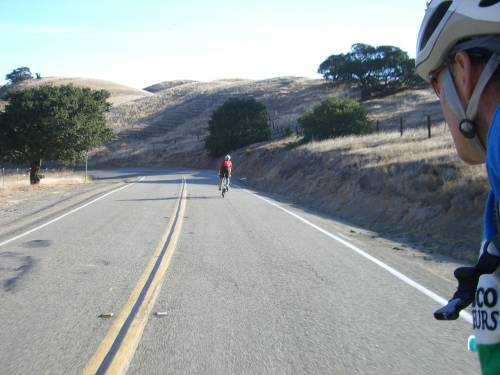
(467, 278)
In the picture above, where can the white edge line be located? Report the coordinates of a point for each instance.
(67, 213)
(463, 314)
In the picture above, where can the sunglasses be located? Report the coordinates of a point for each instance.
(436, 78)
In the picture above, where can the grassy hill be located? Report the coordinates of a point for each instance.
(119, 93)
(167, 122)
(170, 126)
(166, 85)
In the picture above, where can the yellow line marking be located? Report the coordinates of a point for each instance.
(125, 352)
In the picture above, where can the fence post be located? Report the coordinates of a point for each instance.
(17, 176)
(3, 178)
(86, 165)
(378, 128)
(401, 125)
(429, 125)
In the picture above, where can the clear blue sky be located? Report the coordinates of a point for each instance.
(142, 42)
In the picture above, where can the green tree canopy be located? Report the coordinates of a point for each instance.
(237, 123)
(334, 117)
(59, 123)
(18, 75)
(376, 70)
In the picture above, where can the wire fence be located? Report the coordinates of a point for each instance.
(12, 173)
(427, 121)
(396, 123)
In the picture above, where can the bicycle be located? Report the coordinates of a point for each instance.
(225, 185)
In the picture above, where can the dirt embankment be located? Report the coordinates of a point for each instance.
(410, 189)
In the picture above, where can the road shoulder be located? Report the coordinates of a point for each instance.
(45, 203)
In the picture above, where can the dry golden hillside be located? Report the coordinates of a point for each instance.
(170, 126)
(119, 93)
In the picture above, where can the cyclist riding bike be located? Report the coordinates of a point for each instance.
(225, 171)
(458, 52)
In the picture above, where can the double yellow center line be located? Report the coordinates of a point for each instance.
(118, 347)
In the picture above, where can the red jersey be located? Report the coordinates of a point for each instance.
(226, 165)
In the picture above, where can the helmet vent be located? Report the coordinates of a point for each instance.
(434, 21)
(488, 3)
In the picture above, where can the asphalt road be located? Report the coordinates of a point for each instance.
(250, 289)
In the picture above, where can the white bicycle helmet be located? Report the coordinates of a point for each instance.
(451, 26)
(448, 22)
(227, 157)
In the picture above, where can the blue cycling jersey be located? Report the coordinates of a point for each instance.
(486, 307)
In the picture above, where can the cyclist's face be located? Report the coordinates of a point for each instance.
(465, 77)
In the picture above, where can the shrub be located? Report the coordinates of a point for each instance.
(333, 118)
(235, 124)
(288, 132)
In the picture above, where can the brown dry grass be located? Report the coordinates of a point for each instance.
(170, 127)
(172, 124)
(15, 185)
(412, 105)
(119, 93)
